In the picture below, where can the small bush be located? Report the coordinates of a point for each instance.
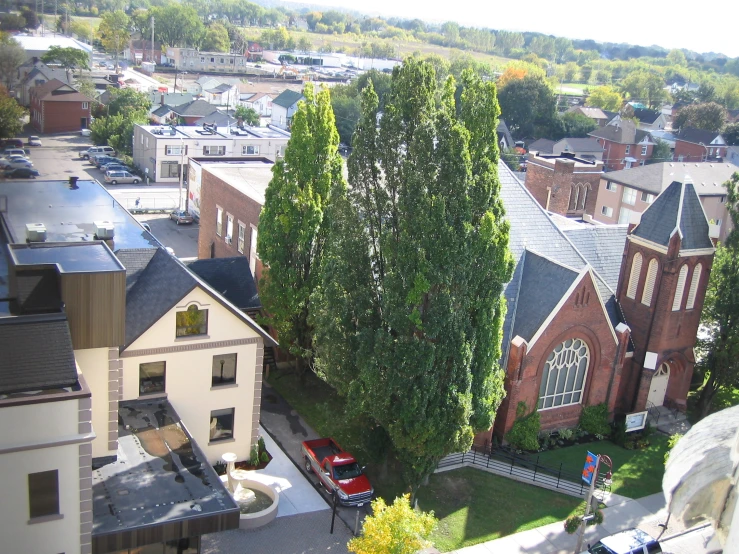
(566, 434)
(671, 442)
(597, 518)
(254, 457)
(264, 457)
(572, 524)
(619, 432)
(220, 467)
(525, 431)
(260, 444)
(594, 420)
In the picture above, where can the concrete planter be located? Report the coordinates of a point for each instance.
(259, 519)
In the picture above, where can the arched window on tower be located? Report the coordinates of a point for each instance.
(634, 276)
(583, 195)
(690, 303)
(574, 197)
(646, 296)
(680, 289)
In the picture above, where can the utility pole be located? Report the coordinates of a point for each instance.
(152, 39)
(55, 15)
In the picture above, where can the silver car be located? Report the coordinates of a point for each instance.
(117, 177)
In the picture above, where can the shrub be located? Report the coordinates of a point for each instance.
(220, 467)
(264, 457)
(566, 434)
(254, 457)
(597, 518)
(619, 432)
(594, 419)
(671, 442)
(260, 444)
(572, 524)
(525, 431)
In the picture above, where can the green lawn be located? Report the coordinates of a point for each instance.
(474, 506)
(636, 473)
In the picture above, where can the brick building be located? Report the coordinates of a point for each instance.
(564, 184)
(697, 145)
(57, 108)
(624, 146)
(601, 313)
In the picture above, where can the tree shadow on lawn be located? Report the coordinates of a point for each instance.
(474, 506)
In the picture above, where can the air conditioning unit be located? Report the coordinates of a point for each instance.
(228, 240)
(35, 232)
(104, 230)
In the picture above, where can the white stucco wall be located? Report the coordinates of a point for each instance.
(20, 426)
(189, 373)
(93, 362)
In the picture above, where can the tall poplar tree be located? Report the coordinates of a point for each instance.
(292, 225)
(409, 312)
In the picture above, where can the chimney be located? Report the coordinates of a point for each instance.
(73, 180)
(161, 99)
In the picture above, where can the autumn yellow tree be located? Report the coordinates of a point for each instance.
(394, 529)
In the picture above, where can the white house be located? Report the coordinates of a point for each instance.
(260, 102)
(283, 108)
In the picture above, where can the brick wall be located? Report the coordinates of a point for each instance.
(551, 181)
(689, 152)
(59, 117)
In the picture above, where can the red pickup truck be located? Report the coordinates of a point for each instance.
(338, 471)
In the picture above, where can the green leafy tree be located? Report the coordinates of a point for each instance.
(529, 107)
(646, 87)
(248, 115)
(216, 39)
(117, 130)
(177, 25)
(292, 227)
(731, 134)
(394, 529)
(507, 41)
(605, 98)
(676, 57)
(12, 22)
(577, 125)
(661, 152)
(304, 44)
(11, 115)
(87, 87)
(709, 116)
(346, 111)
(408, 316)
(12, 56)
(115, 31)
(68, 58)
(719, 348)
(127, 100)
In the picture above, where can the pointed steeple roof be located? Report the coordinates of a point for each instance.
(677, 210)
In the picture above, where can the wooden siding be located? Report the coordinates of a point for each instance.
(96, 308)
(153, 534)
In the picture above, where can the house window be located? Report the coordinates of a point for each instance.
(634, 276)
(253, 252)
(214, 150)
(142, 140)
(147, 142)
(611, 186)
(170, 169)
(152, 377)
(43, 493)
(221, 425)
(229, 228)
(224, 370)
(644, 150)
(202, 59)
(629, 196)
(212, 60)
(219, 221)
(646, 197)
(192, 322)
(563, 378)
(646, 295)
(242, 235)
(628, 149)
(624, 216)
(85, 105)
(606, 211)
(221, 60)
(718, 222)
(680, 289)
(248, 150)
(174, 150)
(693, 290)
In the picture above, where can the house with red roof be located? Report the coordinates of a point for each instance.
(57, 108)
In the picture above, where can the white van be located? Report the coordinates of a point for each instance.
(95, 150)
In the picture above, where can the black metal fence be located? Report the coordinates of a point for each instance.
(524, 468)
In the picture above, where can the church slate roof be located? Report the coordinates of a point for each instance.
(678, 207)
(603, 248)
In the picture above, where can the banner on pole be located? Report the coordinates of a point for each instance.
(588, 472)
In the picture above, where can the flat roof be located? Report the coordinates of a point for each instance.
(32, 42)
(76, 257)
(222, 132)
(160, 475)
(248, 177)
(68, 213)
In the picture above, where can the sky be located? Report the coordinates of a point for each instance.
(675, 24)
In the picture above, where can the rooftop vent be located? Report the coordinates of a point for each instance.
(35, 232)
(104, 230)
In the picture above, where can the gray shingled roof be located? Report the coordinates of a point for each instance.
(533, 229)
(697, 136)
(161, 111)
(624, 132)
(288, 98)
(218, 118)
(603, 247)
(196, 107)
(645, 115)
(677, 207)
(543, 284)
(544, 146)
(36, 354)
(708, 177)
(581, 144)
(231, 277)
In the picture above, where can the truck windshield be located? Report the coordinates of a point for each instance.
(348, 471)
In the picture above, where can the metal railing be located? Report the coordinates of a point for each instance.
(524, 468)
(149, 204)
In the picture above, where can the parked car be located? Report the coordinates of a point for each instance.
(17, 158)
(631, 541)
(11, 143)
(116, 177)
(21, 172)
(15, 152)
(100, 161)
(114, 166)
(15, 163)
(96, 150)
(85, 132)
(33, 140)
(181, 216)
(337, 471)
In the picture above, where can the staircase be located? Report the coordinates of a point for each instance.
(667, 420)
(269, 363)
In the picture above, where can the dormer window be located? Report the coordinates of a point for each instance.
(192, 322)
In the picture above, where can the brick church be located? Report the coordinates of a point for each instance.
(601, 313)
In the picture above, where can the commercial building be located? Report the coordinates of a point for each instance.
(160, 152)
